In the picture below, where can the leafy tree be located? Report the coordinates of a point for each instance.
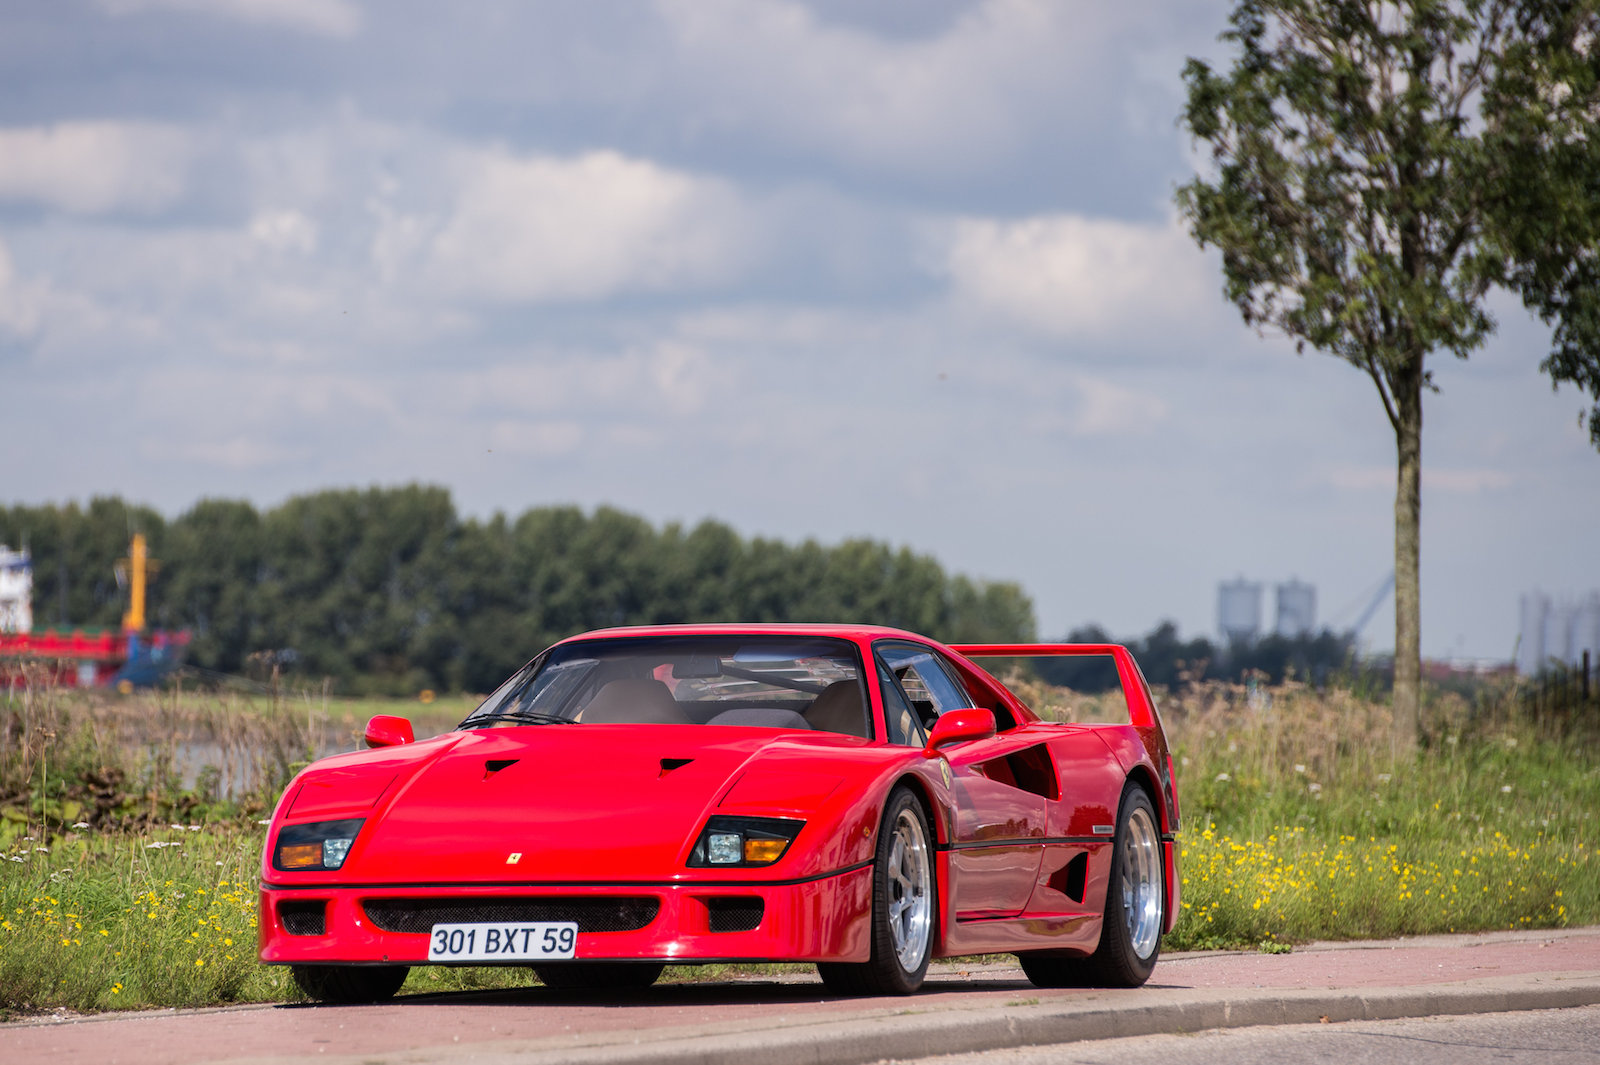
(75, 553)
(209, 583)
(387, 589)
(1380, 168)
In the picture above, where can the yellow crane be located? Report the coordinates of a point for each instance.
(136, 567)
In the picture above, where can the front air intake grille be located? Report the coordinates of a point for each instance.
(304, 918)
(601, 914)
(735, 914)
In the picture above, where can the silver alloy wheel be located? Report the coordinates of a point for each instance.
(910, 901)
(1142, 887)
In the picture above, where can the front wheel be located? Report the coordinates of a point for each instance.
(349, 983)
(904, 904)
(598, 975)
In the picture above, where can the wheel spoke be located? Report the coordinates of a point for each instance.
(907, 906)
(1141, 885)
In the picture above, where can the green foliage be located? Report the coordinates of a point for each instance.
(75, 551)
(1298, 826)
(1169, 661)
(91, 922)
(1379, 168)
(388, 590)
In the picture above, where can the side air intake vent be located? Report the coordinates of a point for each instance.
(735, 914)
(1070, 878)
(304, 918)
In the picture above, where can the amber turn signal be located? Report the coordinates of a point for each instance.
(764, 850)
(300, 856)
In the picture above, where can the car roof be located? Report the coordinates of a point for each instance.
(839, 631)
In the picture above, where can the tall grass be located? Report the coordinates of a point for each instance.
(119, 763)
(108, 921)
(1301, 821)
(127, 872)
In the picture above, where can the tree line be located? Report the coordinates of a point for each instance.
(1167, 660)
(391, 590)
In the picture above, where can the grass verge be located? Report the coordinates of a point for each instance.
(1296, 827)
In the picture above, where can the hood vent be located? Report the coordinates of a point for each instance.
(492, 766)
(669, 764)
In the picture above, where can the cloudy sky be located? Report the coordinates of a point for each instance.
(904, 269)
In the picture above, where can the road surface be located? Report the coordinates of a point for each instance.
(964, 1008)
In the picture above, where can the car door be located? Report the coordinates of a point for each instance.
(1001, 791)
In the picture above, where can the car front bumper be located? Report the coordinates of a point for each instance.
(822, 919)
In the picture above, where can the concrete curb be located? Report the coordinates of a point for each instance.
(1107, 1015)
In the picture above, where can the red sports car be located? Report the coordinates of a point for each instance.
(858, 797)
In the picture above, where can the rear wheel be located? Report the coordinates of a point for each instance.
(1136, 898)
(904, 898)
(349, 983)
(599, 975)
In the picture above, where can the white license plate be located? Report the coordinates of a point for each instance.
(503, 941)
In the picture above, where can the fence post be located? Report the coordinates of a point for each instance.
(1586, 675)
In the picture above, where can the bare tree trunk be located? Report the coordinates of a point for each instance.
(1407, 558)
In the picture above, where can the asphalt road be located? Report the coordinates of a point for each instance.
(1536, 1037)
(965, 1008)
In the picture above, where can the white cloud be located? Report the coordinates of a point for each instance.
(669, 377)
(238, 454)
(285, 230)
(20, 304)
(539, 439)
(553, 229)
(680, 373)
(1108, 409)
(1068, 275)
(326, 18)
(94, 167)
(952, 102)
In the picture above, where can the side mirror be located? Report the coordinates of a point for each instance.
(959, 726)
(386, 730)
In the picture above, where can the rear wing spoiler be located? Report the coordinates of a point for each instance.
(1135, 692)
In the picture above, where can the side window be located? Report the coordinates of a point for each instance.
(931, 688)
(905, 727)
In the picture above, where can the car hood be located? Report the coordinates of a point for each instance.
(569, 803)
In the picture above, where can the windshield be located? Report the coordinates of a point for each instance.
(811, 683)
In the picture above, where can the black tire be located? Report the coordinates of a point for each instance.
(905, 907)
(1056, 970)
(1136, 899)
(599, 975)
(349, 983)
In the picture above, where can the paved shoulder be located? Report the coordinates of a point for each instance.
(1531, 1037)
(965, 1008)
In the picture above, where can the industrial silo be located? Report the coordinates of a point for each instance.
(1297, 609)
(1239, 610)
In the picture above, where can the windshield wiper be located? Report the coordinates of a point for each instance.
(530, 717)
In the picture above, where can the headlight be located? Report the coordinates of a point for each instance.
(732, 842)
(318, 845)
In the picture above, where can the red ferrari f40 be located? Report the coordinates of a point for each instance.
(857, 797)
